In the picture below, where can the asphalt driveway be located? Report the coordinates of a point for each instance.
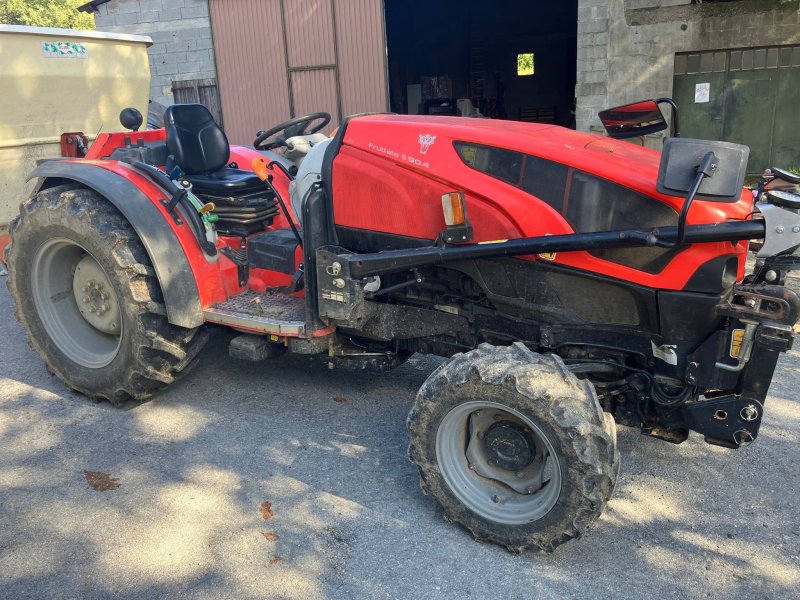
(286, 480)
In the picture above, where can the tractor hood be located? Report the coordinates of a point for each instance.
(432, 138)
(425, 144)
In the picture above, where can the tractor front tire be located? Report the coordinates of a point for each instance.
(86, 293)
(514, 447)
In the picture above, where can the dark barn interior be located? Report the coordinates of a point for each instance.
(467, 56)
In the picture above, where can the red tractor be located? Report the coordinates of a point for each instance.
(574, 281)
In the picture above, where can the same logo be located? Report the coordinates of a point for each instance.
(426, 140)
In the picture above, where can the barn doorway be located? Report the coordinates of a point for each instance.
(504, 60)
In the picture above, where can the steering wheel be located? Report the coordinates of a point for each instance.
(290, 128)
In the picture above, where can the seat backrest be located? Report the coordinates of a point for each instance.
(194, 139)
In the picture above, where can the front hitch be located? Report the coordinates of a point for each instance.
(761, 318)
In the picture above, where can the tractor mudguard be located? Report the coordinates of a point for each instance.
(174, 273)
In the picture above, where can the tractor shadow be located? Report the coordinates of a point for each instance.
(326, 450)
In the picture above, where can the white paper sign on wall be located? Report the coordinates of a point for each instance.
(702, 92)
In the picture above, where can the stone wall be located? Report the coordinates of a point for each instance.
(181, 31)
(626, 48)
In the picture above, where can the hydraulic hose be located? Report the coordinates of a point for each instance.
(178, 196)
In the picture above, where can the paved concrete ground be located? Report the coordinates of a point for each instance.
(195, 466)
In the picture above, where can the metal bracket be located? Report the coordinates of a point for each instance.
(728, 421)
(762, 303)
(782, 229)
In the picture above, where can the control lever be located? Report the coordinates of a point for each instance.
(260, 169)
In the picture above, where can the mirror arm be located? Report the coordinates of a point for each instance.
(674, 126)
(705, 169)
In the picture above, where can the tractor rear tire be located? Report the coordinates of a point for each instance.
(87, 296)
(514, 447)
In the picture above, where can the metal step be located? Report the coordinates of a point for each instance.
(269, 313)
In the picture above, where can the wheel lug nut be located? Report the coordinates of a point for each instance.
(113, 326)
(481, 435)
(86, 299)
(496, 499)
(471, 467)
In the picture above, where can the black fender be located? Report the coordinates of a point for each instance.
(175, 276)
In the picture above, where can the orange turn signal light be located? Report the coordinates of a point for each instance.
(259, 166)
(454, 208)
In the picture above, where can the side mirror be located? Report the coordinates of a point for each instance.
(680, 159)
(633, 120)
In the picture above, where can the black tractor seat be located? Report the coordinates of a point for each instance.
(227, 182)
(200, 148)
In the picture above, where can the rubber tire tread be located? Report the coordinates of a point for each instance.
(564, 407)
(153, 352)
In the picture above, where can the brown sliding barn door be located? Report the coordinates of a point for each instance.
(278, 59)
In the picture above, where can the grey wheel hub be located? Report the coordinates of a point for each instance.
(505, 451)
(508, 447)
(95, 297)
(498, 462)
(76, 303)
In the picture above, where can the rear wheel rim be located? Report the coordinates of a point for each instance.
(62, 298)
(479, 477)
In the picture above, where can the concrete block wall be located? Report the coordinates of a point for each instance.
(626, 48)
(591, 88)
(181, 31)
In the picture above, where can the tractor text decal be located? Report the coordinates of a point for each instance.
(399, 155)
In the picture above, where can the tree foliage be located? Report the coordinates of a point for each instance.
(45, 13)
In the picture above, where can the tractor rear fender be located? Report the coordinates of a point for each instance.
(160, 235)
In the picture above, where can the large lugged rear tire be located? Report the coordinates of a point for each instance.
(87, 295)
(514, 447)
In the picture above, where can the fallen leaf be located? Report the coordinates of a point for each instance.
(275, 559)
(266, 510)
(270, 536)
(101, 482)
(340, 399)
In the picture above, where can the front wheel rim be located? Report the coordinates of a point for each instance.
(59, 302)
(487, 490)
